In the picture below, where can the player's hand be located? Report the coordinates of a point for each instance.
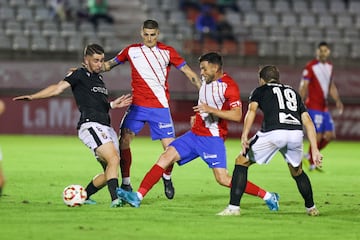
(317, 157)
(244, 144)
(202, 108)
(23, 98)
(123, 101)
(340, 107)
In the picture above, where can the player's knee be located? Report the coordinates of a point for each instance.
(222, 180)
(241, 160)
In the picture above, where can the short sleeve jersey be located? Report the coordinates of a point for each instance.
(281, 105)
(150, 69)
(319, 76)
(91, 96)
(222, 94)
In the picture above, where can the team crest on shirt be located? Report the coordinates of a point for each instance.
(235, 104)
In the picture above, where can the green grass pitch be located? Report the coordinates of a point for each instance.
(37, 168)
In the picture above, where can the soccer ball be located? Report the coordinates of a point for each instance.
(74, 195)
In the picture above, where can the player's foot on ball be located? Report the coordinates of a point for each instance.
(116, 203)
(129, 197)
(168, 188)
(89, 202)
(273, 202)
(126, 187)
(313, 212)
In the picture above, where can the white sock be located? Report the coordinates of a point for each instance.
(166, 176)
(233, 207)
(267, 196)
(126, 181)
(139, 196)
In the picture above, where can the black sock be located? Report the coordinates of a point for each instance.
(91, 189)
(113, 184)
(238, 184)
(304, 186)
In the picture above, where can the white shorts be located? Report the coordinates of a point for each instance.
(0, 154)
(264, 145)
(93, 135)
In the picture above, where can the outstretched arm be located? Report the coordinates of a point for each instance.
(108, 65)
(50, 91)
(123, 101)
(311, 133)
(191, 75)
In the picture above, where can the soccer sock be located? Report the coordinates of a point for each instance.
(311, 161)
(238, 184)
(91, 189)
(125, 162)
(322, 144)
(169, 170)
(113, 184)
(254, 190)
(150, 179)
(304, 187)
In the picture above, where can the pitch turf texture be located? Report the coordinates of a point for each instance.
(37, 169)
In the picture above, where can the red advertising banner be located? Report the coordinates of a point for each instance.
(60, 115)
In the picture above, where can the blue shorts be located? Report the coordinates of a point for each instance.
(210, 149)
(322, 121)
(159, 120)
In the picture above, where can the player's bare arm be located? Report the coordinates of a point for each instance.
(123, 101)
(108, 65)
(50, 91)
(335, 95)
(234, 114)
(248, 122)
(311, 134)
(303, 88)
(191, 75)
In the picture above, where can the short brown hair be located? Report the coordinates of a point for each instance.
(150, 24)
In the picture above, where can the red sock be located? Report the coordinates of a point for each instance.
(150, 179)
(254, 190)
(311, 161)
(125, 162)
(169, 169)
(323, 144)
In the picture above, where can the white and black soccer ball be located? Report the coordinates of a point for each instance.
(74, 195)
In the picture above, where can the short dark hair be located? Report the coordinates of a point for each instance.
(269, 73)
(150, 24)
(323, 44)
(212, 57)
(93, 48)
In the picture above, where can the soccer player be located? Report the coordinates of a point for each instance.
(2, 178)
(282, 130)
(315, 86)
(94, 128)
(218, 103)
(150, 63)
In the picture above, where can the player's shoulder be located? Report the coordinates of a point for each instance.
(164, 46)
(311, 63)
(228, 79)
(76, 72)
